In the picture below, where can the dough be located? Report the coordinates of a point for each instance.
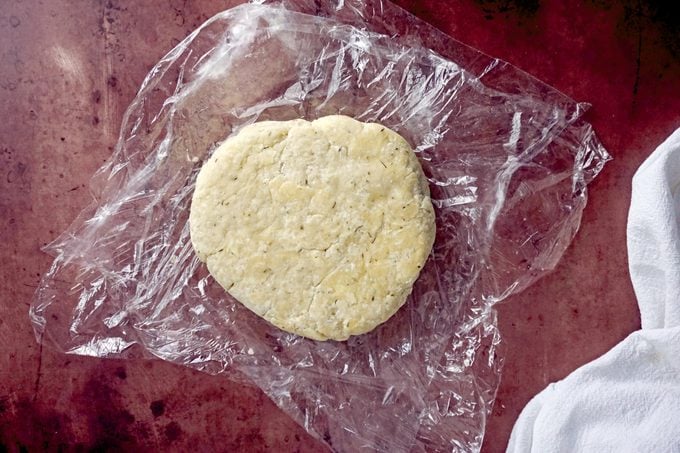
(319, 227)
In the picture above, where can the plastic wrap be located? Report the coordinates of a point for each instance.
(507, 157)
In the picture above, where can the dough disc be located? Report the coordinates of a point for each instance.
(319, 227)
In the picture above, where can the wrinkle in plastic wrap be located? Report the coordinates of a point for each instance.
(508, 160)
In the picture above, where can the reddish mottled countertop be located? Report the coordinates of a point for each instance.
(69, 68)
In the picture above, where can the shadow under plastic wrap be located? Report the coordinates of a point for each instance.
(508, 160)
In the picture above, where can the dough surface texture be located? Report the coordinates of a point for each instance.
(319, 227)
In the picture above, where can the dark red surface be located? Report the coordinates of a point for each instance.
(69, 68)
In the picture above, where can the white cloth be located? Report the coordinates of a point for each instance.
(628, 400)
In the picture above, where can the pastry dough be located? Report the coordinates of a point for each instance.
(319, 227)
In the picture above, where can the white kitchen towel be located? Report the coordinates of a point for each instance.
(628, 400)
(654, 236)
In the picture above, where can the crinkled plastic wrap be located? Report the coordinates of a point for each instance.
(507, 157)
